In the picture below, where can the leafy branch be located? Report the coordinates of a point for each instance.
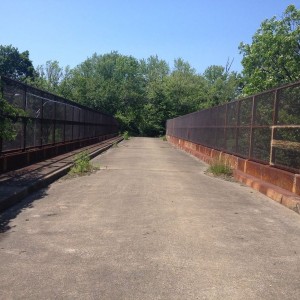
(8, 116)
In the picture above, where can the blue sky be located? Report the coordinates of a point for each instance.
(201, 32)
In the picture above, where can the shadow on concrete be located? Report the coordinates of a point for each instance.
(20, 178)
(12, 212)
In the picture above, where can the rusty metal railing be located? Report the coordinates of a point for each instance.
(50, 119)
(263, 127)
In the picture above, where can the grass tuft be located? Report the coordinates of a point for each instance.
(220, 168)
(126, 135)
(82, 164)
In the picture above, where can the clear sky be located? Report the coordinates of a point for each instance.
(202, 32)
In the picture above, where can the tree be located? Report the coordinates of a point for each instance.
(186, 90)
(273, 58)
(52, 78)
(112, 83)
(155, 109)
(8, 116)
(14, 64)
(223, 85)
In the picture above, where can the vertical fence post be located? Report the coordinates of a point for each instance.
(273, 128)
(216, 112)
(65, 116)
(1, 98)
(237, 129)
(24, 120)
(0, 143)
(225, 127)
(79, 124)
(54, 124)
(42, 121)
(251, 127)
(72, 123)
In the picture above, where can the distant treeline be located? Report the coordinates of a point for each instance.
(143, 94)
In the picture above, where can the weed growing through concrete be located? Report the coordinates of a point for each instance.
(126, 135)
(164, 138)
(220, 168)
(82, 164)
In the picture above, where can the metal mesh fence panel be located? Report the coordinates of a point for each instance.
(50, 119)
(17, 143)
(264, 105)
(59, 132)
(264, 127)
(231, 139)
(33, 133)
(261, 143)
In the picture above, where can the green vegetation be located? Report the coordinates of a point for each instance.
(143, 94)
(126, 135)
(8, 116)
(273, 58)
(14, 64)
(220, 168)
(82, 164)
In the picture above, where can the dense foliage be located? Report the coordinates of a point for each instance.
(143, 94)
(8, 115)
(273, 58)
(14, 64)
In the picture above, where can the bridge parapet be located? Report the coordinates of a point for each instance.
(52, 125)
(258, 136)
(264, 128)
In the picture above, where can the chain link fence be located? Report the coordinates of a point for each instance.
(264, 127)
(50, 119)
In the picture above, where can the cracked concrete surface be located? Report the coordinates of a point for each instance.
(149, 225)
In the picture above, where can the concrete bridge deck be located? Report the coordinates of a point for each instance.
(149, 225)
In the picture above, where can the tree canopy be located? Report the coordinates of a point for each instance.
(15, 64)
(143, 94)
(273, 58)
